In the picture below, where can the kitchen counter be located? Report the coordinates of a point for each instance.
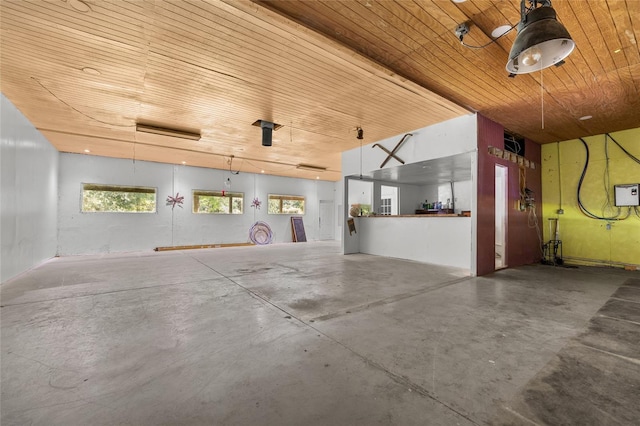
(417, 215)
(444, 241)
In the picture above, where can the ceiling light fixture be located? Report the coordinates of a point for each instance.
(500, 31)
(542, 41)
(311, 167)
(164, 131)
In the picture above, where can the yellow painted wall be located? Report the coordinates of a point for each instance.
(585, 240)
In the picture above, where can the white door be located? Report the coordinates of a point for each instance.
(501, 216)
(325, 220)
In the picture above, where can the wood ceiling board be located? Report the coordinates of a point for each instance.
(584, 73)
(218, 66)
(489, 62)
(321, 80)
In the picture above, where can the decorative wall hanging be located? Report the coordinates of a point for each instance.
(178, 200)
(392, 154)
(260, 233)
(256, 203)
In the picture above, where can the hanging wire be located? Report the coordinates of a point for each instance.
(230, 162)
(542, 96)
(634, 158)
(582, 207)
(491, 42)
(559, 175)
(606, 181)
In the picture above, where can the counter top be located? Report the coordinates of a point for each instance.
(418, 215)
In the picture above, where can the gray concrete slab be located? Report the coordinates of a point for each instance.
(297, 334)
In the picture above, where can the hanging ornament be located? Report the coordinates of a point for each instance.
(173, 201)
(256, 203)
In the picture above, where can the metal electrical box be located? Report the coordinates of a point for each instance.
(627, 195)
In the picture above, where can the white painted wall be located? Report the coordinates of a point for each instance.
(81, 233)
(452, 137)
(445, 139)
(436, 240)
(28, 202)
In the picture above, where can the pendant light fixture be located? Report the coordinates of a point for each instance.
(542, 41)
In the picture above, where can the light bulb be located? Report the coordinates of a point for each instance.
(531, 56)
(227, 183)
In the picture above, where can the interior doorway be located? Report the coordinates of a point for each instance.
(501, 216)
(326, 229)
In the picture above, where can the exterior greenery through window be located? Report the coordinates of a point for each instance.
(215, 202)
(116, 198)
(286, 204)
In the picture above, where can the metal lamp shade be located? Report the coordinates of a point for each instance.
(542, 41)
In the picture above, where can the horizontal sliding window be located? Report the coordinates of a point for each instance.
(286, 204)
(118, 199)
(218, 202)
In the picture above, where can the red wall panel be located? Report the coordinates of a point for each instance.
(523, 245)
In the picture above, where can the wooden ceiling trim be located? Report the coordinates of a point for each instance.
(125, 148)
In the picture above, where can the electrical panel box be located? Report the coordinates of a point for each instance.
(627, 195)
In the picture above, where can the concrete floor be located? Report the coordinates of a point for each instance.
(298, 334)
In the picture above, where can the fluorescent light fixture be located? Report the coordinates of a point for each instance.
(164, 131)
(541, 42)
(311, 168)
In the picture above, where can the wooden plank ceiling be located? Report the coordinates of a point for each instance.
(86, 71)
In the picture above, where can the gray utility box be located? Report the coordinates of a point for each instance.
(627, 195)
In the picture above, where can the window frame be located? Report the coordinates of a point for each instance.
(84, 186)
(231, 195)
(282, 198)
